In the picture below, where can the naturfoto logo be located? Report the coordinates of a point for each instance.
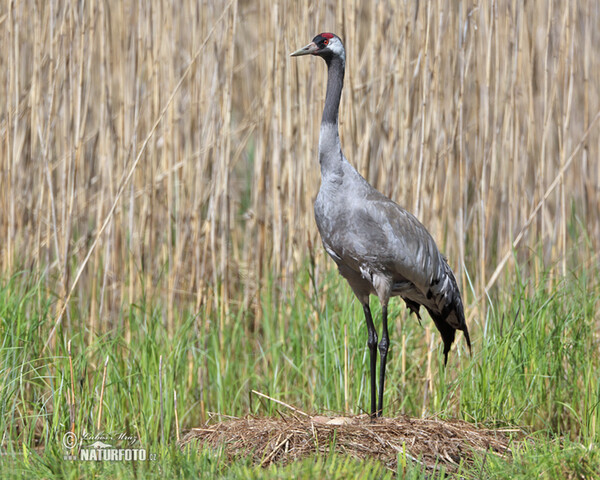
(102, 447)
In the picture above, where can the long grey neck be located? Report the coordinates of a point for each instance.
(335, 82)
(330, 149)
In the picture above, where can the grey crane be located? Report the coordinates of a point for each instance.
(379, 248)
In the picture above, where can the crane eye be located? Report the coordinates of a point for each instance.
(325, 42)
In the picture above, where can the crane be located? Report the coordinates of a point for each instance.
(379, 248)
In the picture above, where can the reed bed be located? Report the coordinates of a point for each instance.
(168, 151)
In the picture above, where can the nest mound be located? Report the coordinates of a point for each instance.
(429, 442)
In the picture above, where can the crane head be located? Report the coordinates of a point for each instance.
(324, 45)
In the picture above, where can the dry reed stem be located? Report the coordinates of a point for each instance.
(294, 409)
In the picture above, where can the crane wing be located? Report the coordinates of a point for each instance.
(375, 237)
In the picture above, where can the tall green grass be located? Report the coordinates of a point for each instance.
(539, 364)
(534, 366)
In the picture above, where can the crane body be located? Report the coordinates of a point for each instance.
(379, 248)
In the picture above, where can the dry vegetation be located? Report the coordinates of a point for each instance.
(169, 151)
(431, 443)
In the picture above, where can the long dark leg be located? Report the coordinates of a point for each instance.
(384, 346)
(372, 343)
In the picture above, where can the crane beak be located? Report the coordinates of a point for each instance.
(310, 48)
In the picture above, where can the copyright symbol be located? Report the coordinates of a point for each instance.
(69, 440)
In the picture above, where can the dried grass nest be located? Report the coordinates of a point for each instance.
(430, 442)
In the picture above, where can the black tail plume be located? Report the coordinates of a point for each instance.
(451, 319)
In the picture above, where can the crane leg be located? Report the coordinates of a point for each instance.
(372, 343)
(384, 346)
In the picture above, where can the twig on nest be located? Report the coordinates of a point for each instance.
(268, 458)
(281, 403)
